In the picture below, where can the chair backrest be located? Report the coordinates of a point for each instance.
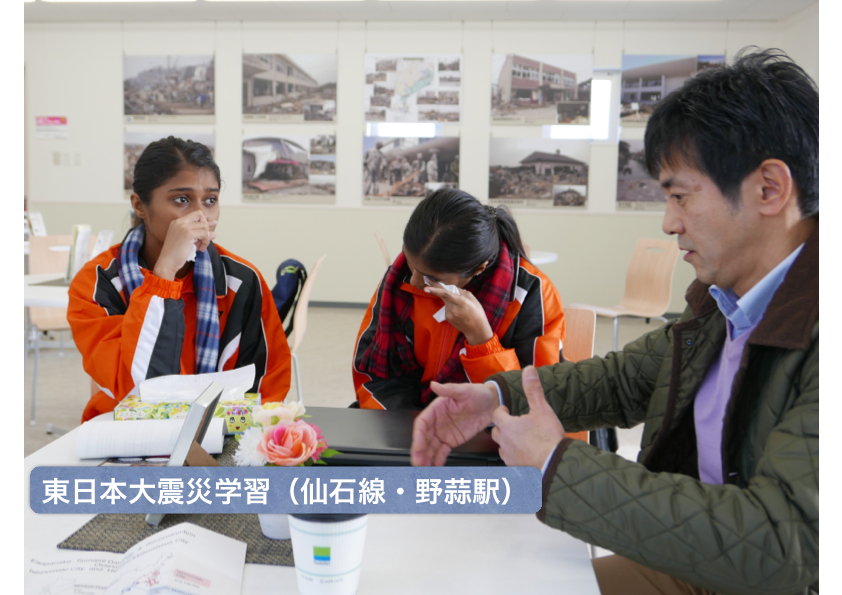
(580, 325)
(649, 277)
(300, 317)
(383, 248)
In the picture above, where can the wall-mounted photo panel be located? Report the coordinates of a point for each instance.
(647, 79)
(289, 168)
(538, 172)
(135, 142)
(541, 89)
(170, 89)
(402, 171)
(636, 189)
(289, 87)
(413, 88)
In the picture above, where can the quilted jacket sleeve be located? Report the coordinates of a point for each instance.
(758, 537)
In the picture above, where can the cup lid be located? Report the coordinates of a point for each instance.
(326, 518)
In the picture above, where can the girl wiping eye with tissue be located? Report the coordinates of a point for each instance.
(167, 300)
(460, 303)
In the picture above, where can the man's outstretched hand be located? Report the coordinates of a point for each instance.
(459, 413)
(527, 440)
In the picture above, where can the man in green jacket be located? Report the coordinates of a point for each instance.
(724, 497)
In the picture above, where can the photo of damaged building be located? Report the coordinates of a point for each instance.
(168, 85)
(282, 165)
(276, 84)
(536, 175)
(528, 85)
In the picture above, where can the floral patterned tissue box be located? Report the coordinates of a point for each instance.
(237, 414)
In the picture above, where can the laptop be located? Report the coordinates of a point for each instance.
(367, 437)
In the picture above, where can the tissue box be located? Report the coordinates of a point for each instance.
(237, 414)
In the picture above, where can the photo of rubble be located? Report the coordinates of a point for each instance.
(636, 189)
(285, 169)
(570, 196)
(289, 87)
(402, 171)
(541, 89)
(398, 88)
(135, 142)
(537, 172)
(171, 89)
(647, 79)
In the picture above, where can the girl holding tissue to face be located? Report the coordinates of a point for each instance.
(460, 303)
(167, 300)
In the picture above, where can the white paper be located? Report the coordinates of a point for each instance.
(185, 559)
(186, 388)
(140, 438)
(439, 316)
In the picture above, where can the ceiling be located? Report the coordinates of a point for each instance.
(444, 10)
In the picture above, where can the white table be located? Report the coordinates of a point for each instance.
(538, 257)
(44, 295)
(405, 554)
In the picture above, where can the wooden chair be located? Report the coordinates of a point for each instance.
(578, 345)
(299, 322)
(383, 248)
(648, 284)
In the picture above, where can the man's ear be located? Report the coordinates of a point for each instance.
(777, 186)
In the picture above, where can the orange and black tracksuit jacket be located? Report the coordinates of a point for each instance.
(530, 334)
(156, 334)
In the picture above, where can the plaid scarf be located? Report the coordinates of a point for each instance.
(391, 352)
(207, 315)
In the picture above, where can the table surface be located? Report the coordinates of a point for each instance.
(539, 257)
(44, 295)
(410, 554)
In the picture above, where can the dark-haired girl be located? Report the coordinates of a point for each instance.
(167, 300)
(460, 303)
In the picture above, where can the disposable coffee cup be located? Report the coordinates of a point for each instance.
(328, 550)
(274, 526)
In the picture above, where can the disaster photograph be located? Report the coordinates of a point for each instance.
(395, 169)
(289, 87)
(528, 171)
(281, 166)
(636, 189)
(167, 86)
(541, 89)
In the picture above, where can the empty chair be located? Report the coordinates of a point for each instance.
(578, 344)
(42, 260)
(299, 321)
(648, 284)
(383, 248)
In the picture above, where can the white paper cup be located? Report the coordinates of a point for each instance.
(274, 526)
(328, 550)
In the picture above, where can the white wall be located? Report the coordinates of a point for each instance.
(76, 70)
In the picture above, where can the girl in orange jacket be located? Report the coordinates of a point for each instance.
(144, 309)
(460, 303)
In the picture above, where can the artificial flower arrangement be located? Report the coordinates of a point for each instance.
(281, 438)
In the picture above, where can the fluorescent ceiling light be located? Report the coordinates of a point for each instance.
(401, 130)
(600, 110)
(113, 1)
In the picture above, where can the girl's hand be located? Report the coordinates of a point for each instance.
(183, 234)
(465, 313)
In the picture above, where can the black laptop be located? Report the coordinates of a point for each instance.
(367, 437)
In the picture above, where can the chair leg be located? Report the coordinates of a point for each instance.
(297, 377)
(35, 377)
(616, 333)
(61, 343)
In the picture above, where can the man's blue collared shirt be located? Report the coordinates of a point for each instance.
(745, 312)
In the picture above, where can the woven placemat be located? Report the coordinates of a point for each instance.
(118, 532)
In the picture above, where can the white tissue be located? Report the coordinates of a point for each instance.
(440, 315)
(192, 257)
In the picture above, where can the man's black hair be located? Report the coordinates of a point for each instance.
(727, 120)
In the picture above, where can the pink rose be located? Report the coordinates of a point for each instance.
(291, 444)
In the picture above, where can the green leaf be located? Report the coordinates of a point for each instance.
(329, 453)
(320, 462)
